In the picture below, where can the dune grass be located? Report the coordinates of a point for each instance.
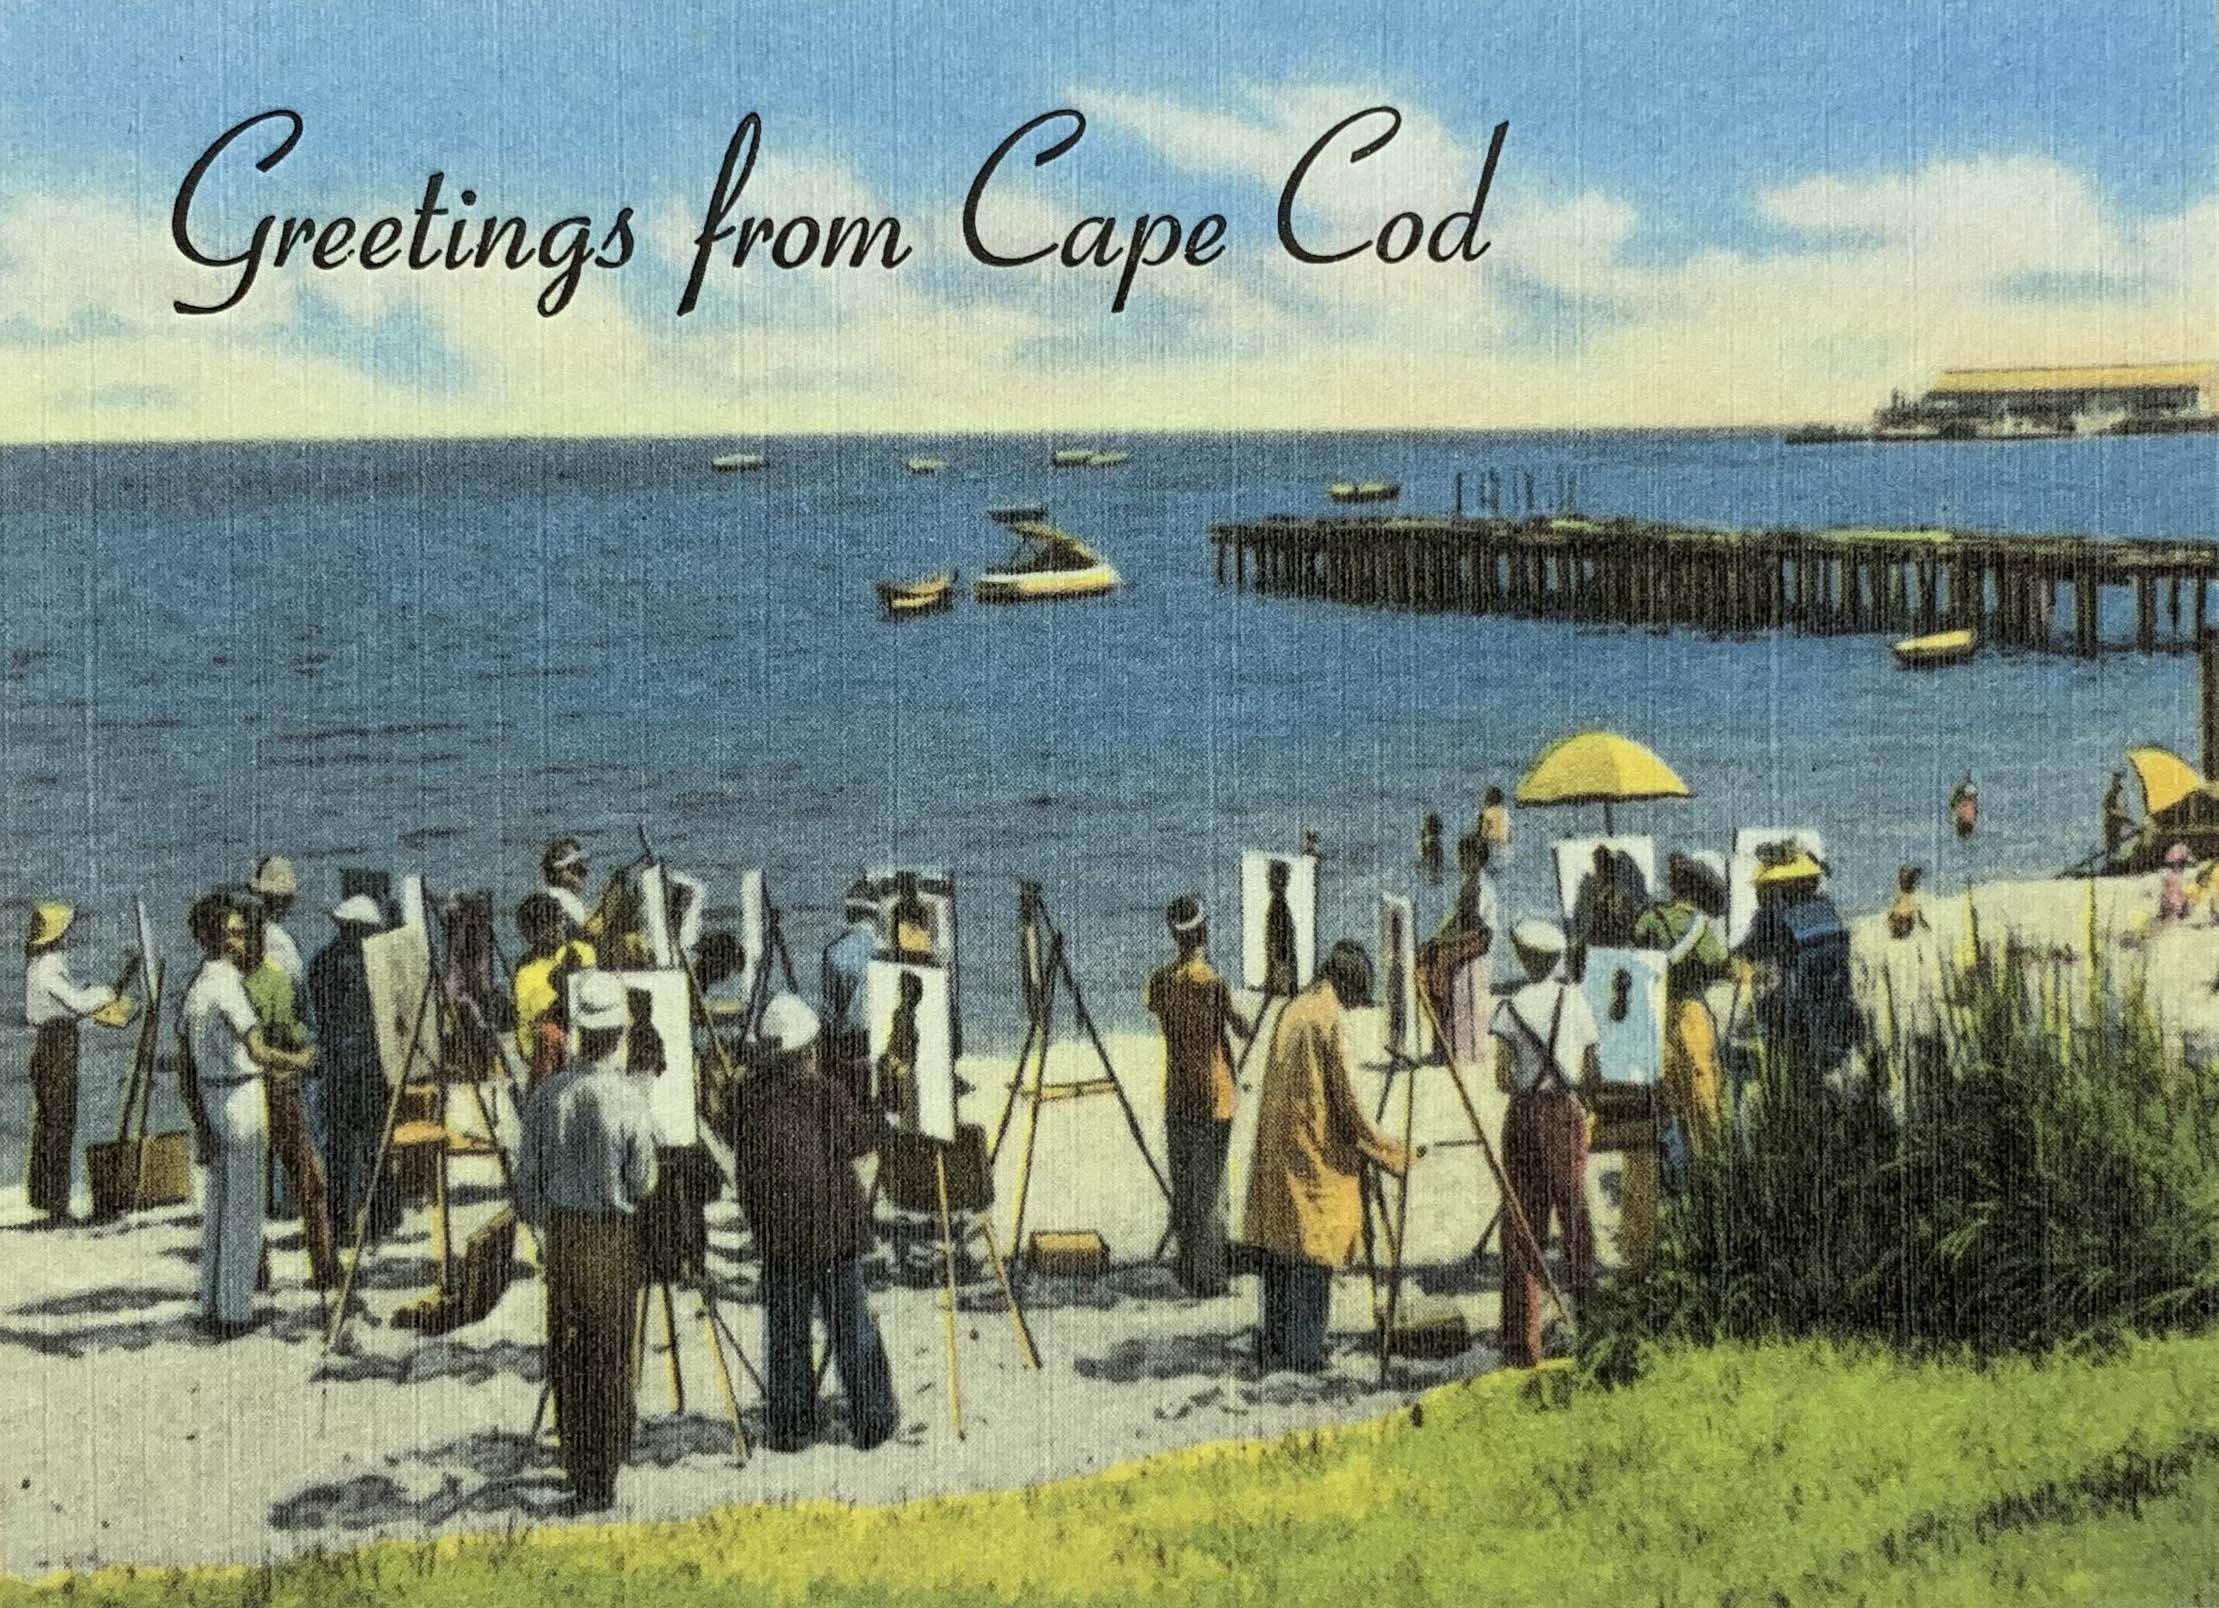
(1794, 1473)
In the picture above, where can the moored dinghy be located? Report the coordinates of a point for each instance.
(1052, 565)
(737, 462)
(1943, 647)
(934, 593)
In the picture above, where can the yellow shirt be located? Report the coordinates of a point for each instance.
(535, 989)
(1494, 826)
(1190, 999)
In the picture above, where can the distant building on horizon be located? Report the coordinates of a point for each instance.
(2060, 394)
(2001, 404)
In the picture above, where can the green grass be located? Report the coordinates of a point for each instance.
(1793, 1473)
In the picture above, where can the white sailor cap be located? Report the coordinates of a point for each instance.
(1542, 940)
(597, 1002)
(359, 909)
(788, 1024)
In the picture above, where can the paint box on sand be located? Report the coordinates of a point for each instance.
(1068, 1253)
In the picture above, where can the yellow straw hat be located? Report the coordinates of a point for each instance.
(48, 923)
(1795, 868)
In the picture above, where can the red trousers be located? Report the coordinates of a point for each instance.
(1544, 1150)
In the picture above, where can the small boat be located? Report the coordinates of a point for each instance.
(1108, 460)
(1944, 647)
(1019, 514)
(1070, 457)
(934, 593)
(924, 466)
(733, 463)
(1053, 564)
(1364, 491)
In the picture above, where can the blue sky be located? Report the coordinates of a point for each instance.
(1651, 147)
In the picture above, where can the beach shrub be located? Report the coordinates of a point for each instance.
(2036, 1178)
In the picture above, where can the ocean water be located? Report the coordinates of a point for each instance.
(432, 656)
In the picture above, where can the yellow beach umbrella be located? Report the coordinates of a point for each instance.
(2166, 778)
(1598, 767)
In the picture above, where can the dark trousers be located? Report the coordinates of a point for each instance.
(53, 1116)
(834, 1290)
(593, 1277)
(1296, 1298)
(1196, 1148)
(354, 1118)
(295, 1152)
(1544, 1152)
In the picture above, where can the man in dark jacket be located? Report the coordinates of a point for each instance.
(796, 1136)
(355, 1090)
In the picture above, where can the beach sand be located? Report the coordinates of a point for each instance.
(126, 1437)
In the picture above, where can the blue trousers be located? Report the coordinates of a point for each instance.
(834, 1291)
(1296, 1299)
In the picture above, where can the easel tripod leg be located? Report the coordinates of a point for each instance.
(670, 1340)
(338, 1324)
(1025, 1346)
(947, 1313)
(709, 1325)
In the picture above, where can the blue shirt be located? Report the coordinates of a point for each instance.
(588, 1144)
(847, 970)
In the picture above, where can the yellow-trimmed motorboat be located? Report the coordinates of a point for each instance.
(932, 595)
(1052, 565)
(1943, 647)
(1364, 491)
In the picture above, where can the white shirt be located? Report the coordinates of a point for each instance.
(218, 1016)
(572, 906)
(50, 994)
(1522, 1022)
(279, 950)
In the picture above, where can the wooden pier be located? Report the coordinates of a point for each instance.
(1898, 583)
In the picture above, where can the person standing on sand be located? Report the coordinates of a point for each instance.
(1192, 1003)
(277, 1006)
(1806, 1004)
(2119, 825)
(585, 1165)
(275, 886)
(844, 987)
(1457, 963)
(1305, 1211)
(228, 1058)
(355, 1090)
(563, 874)
(1548, 1051)
(796, 1134)
(54, 1003)
(1685, 927)
(551, 957)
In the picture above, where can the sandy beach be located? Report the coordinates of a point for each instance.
(126, 1437)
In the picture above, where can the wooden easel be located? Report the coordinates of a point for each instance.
(430, 1136)
(977, 1203)
(1056, 974)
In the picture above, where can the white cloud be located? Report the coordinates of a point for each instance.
(1835, 288)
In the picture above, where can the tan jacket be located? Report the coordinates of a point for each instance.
(1311, 1137)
